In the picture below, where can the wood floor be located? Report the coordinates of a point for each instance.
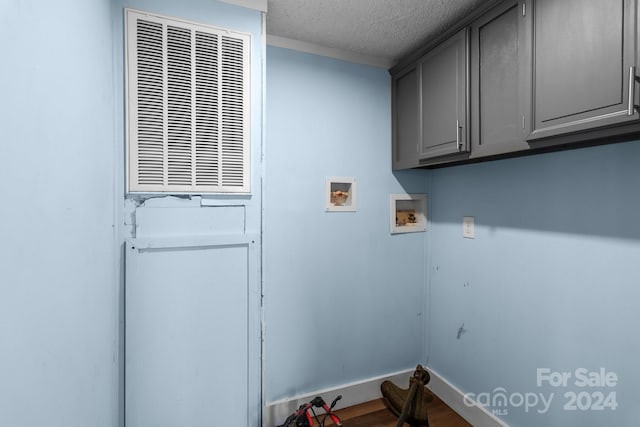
(375, 414)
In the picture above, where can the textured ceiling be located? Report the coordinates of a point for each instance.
(386, 29)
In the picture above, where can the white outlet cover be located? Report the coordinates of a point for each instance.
(468, 227)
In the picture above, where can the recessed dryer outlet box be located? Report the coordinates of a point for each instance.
(408, 213)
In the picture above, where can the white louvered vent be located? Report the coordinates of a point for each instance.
(188, 107)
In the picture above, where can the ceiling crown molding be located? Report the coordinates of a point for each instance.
(316, 49)
(260, 5)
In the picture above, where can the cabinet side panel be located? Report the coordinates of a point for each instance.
(406, 120)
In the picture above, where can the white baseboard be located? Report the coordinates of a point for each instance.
(364, 391)
(475, 414)
(352, 394)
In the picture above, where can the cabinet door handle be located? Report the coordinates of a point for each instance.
(632, 91)
(458, 142)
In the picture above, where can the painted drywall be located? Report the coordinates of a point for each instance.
(344, 299)
(549, 282)
(214, 270)
(65, 216)
(58, 258)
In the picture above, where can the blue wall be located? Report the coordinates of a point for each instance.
(344, 298)
(217, 287)
(65, 216)
(550, 280)
(58, 259)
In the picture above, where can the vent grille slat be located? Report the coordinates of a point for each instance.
(207, 111)
(232, 116)
(150, 105)
(179, 106)
(189, 107)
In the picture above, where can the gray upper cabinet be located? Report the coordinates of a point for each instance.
(585, 54)
(522, 76)
(444, 98)
(501, 79)
(406, 119)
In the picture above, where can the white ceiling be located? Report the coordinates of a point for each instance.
(373, 31)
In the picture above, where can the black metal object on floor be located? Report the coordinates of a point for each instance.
(409, 405)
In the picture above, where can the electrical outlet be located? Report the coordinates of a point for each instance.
(468, 227)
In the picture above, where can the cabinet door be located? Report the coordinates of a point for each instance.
(501, 79)
(406, 119)
(585, 54)
(444, 99)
